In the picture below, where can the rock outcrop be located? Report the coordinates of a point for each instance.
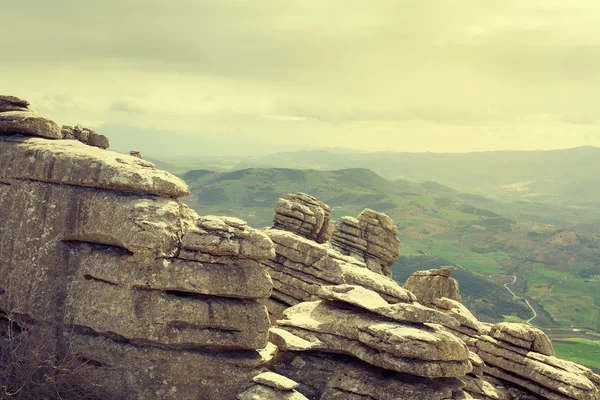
(544, 375)
(371, 238)
(17, 119)
(162, 303)
(405, 339)
(433, 284)
(303, 214)
(85, 135)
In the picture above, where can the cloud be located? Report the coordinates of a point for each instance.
(331, 73)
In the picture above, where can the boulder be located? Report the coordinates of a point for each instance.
(28, 123)
(433, 284)
(523, 335)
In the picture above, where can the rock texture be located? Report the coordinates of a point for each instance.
(162, 302)
(544, 375)
(371, 238)
(85, 135)
(272, 386)
(395, 350)
(304, 215)
(433, 284)
(301, 266)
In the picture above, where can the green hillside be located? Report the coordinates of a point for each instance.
(559, 187)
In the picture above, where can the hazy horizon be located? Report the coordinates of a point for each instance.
(233, 78)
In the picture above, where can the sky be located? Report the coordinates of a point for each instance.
(227, 77)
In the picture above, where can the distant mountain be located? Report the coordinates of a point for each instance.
(556, 178)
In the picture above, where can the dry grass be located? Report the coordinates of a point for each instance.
(32, 367)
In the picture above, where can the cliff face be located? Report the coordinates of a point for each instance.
(162, 303)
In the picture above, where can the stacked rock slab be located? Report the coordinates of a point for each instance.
(301, 266)
(305, 261)
(371, 238)
(433, 284)
(523, 355)
(396, 350)
(303, 214)
(162, 303)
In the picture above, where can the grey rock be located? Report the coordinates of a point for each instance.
(28, 123)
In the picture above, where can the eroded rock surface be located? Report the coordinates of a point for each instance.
(433, 284)
(371, 238)
(304, 215)
(164, 303)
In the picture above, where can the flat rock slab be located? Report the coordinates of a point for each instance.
(306, 340)
(461, 314)
(70, 162)
(28, 123)
(275, 381)
(370, 300)
(262, 392)
(334, 327)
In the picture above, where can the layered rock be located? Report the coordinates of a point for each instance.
(470, 328)
(304, 215)
(547, 376)
(301, 266)
(17, 119)
(433, 284)
(406, 339)
(85, 135)
(524, 336)
(371, 238)
(161, 302)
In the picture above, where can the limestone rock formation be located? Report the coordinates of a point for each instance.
(371, 238)
(69, 162)
(85, 135)
(433, 284)
(304, 215)
(547, 376)
(402, 339)
(161, 302)
(301, 266)
(28, 123)
(524, 336)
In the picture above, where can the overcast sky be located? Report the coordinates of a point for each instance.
(248, 77)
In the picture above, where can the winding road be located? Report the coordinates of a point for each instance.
(517, 297)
